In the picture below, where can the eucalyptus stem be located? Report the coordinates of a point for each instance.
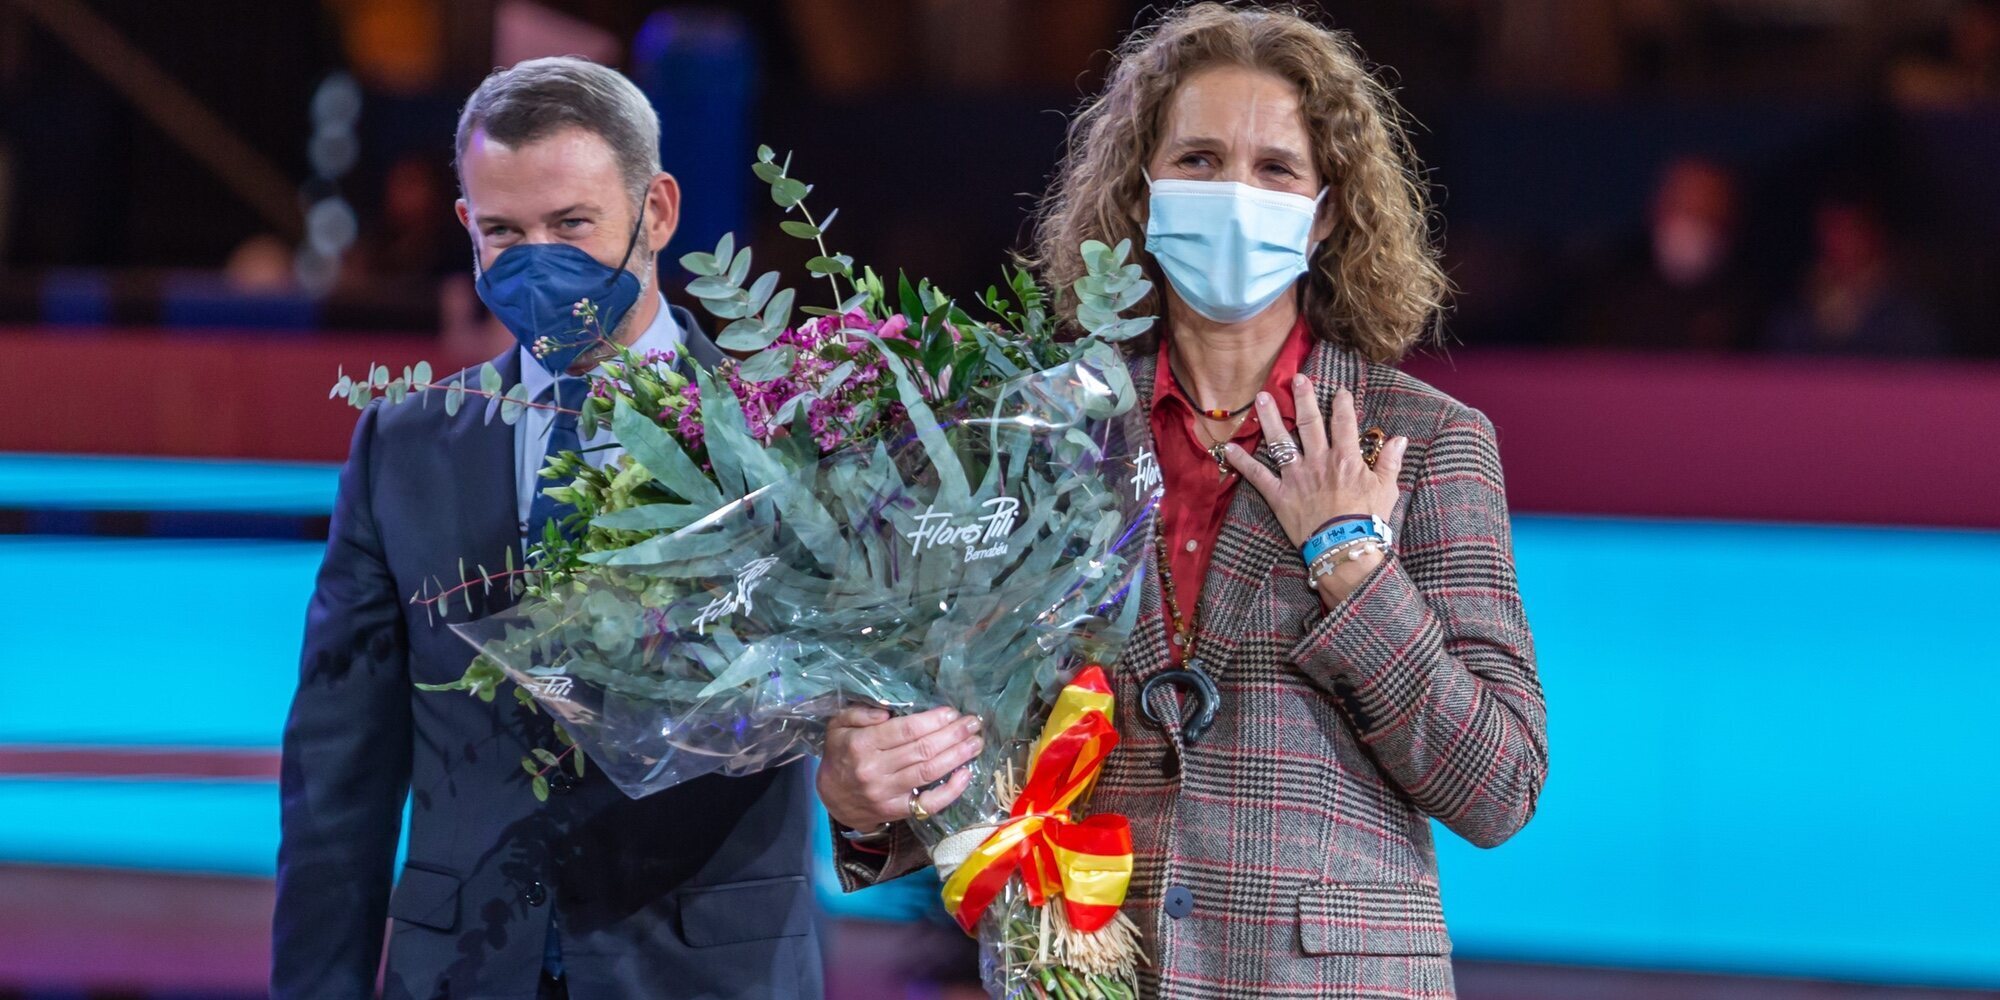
(833, 279)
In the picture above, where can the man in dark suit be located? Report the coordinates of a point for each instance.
(698, 891)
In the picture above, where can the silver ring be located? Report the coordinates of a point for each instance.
(917, 810)
(1283, 453)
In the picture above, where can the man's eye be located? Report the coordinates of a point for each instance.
(574, 223)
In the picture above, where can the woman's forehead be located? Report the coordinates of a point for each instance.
(1235, 105)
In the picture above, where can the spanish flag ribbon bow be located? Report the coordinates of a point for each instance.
(1088, 862)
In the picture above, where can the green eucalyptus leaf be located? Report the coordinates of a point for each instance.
(765, 155)
(514, 403)
(422, 373)
(702, 263)
(739, 268)
(778, 313)
(787, 192)
(767, 365)
(802, 230)
(725, 251)
(766, 172)
(747, 334)
(489, 378)
(736, 306)
(454, 398)
(826, 265)
(760, 292)
(712, 288)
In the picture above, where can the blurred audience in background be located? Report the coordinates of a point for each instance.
(1630, 174)
(1851, 299)
(1683, 285)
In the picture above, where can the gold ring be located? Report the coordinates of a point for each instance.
(917, 810)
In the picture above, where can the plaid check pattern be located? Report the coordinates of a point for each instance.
(1300, 822)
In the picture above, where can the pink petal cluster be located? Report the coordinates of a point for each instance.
(821, 344)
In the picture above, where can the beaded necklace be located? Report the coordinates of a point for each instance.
(1212, 413)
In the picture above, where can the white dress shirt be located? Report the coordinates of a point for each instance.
(532, 430)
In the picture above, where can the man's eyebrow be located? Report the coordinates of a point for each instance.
(583, 207)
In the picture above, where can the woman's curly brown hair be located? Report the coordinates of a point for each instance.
(1374, 283)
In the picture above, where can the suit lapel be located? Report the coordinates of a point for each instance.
(479, 455)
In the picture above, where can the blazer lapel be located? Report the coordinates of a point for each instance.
(1146, 650)
(1251, 541)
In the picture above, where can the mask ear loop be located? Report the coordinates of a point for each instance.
(630, 245)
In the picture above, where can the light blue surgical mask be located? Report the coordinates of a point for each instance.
(1229, 249)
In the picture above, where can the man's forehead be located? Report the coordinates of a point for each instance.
(566, 167)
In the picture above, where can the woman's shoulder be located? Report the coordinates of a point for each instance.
(1396, 401)
(1394, 389)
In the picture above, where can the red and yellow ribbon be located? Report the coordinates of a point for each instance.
(1087, 862)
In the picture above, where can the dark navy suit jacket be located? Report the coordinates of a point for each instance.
(698, 891)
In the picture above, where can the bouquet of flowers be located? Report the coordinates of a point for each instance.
(889, 502)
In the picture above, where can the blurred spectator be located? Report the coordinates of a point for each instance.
(412, 233)
(1686, 287)
(1968, 71)
(1851, 301)
(260, 265)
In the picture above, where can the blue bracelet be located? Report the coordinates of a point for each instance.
(1345, 531)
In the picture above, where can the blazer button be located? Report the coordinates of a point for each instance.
(1179, 902)
(535, 894)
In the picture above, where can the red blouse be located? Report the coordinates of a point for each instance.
(1197, 497)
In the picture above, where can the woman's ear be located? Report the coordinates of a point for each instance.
(1324, 219)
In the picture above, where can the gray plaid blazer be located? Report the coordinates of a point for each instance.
(1294, 840)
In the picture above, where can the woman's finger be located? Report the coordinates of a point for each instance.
(936, 800)
(1389, 464)
(896, 732)
(859, 717)
(1274, 423)
(1312, 433)
(1251, 470)
(1342, 428)
(930, 769)
(940, 744)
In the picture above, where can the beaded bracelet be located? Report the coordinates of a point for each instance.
(1346, 528)
(1345, 552)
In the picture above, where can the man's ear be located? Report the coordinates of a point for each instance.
(464, 216)
(663, 210)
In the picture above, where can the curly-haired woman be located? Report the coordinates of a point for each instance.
(1335, 653)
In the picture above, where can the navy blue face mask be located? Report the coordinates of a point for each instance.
(534, 289)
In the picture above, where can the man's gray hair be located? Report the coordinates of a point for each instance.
(537, 98)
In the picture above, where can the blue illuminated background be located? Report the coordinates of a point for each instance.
(1771, 747)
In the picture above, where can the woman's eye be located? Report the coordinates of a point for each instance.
(1194, 160)
(1282, 170)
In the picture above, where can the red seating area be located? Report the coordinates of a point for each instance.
(1898, 442)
